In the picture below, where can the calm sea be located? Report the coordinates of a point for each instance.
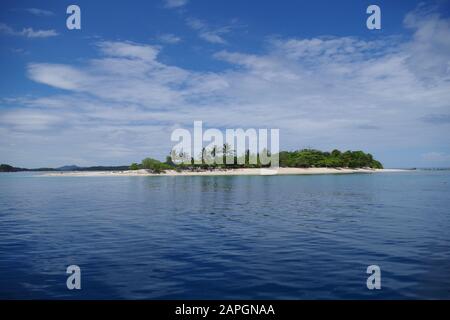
(293, 237)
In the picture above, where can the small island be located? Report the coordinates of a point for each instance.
(304, 158)
(303, 161)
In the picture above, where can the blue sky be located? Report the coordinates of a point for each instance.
(112, 92)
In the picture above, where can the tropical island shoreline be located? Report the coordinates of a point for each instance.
(225, 162)
(222, 172)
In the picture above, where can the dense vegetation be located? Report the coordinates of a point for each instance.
(305, 158)
(155, 165)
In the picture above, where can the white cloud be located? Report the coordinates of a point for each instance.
(127, 73)
(431, 39)
(129, 50)
(195, 24)
(175, 3)
(212, 37)
(58, 76)
(30, 120)
(207, 33)
(169, 38)
(39, 12)
(27, 32)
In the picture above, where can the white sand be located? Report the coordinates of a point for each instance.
(228, 172)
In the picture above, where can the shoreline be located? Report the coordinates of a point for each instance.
(221, 172)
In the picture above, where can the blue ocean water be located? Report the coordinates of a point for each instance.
(249, 237)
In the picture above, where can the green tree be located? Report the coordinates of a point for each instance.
(134, 166)
(154, 165)
(169, 161)
(335, 153)
(227, 153)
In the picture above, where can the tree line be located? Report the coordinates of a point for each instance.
(304, 158)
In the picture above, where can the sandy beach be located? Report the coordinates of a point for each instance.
(228, 172)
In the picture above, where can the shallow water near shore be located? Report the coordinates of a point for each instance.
(229, 237)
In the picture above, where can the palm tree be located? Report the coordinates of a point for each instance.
(226, 151)
(203, 155)
(213, 154)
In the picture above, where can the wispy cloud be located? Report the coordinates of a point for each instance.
(205, 32)
(27, 32)
(19, 51)
(35, 11)
(59, 76)
(169, 38)
(32, 120)
(175, 3)
(129, 50)
(433, 30)
(39, 12)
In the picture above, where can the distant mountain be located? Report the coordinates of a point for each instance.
(9, 168)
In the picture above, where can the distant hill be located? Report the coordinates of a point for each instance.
(9, 168)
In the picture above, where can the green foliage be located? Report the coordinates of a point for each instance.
(169, 161)
(134, 166)
(376, 164)
(154, 165)
(307, 158)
